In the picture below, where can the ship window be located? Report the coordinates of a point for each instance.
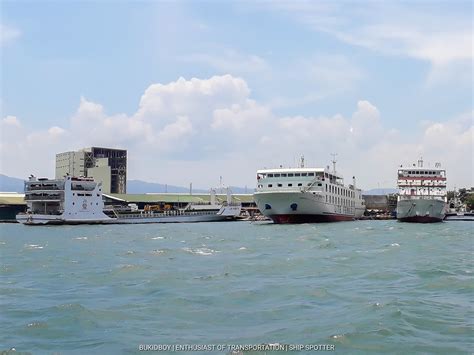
(290, 175)
(277, 175)
(270, 185)
(297, 174)
(270, 175)
(309, 184)
(320, 184)
(310, 174)
(73, 203)
(283, 175)
(279, 185)
(300, 184)
(289, 185)
(326, 187)
(303, 174)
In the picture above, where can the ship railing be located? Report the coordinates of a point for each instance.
(44, 188)
(286, 189)
(425, 197)
(166, 214)
(41, 198)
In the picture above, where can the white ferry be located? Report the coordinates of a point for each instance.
(305, 195)
(79, 201)
(422, 195)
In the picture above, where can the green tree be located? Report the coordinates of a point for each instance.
(462, 195)
(470, 202)
(451, 195)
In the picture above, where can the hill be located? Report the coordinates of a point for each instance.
(11, 184)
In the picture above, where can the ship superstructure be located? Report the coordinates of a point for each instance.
(422, 193)
(300, 195)
(76, 200)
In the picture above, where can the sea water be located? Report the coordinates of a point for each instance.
(363, 287)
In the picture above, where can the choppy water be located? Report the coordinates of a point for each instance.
(366, 287)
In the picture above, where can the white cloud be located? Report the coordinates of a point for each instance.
(241, 117)
(199, 129)
(11, 121)
(230, 61)
(428, 32)
(175, 134)
(8, 34)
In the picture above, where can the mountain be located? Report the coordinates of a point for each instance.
(380, 191)
(11, 184)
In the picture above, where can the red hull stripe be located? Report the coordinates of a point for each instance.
(308, 218)
(420, 219)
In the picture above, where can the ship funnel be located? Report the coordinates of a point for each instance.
(354, 182)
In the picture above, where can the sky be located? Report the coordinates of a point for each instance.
(198, 90)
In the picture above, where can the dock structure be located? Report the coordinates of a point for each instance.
(11, 203)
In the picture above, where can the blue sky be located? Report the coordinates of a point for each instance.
(381, 83)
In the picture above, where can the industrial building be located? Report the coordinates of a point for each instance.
(103, 164)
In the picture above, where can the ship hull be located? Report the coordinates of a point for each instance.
(461, 216)
(421, 210)
(308, 218)
(227, 213)
(40, 219)
(302, 207)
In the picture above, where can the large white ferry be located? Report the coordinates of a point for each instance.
(301, 195)
(79, 201)
(422, 195)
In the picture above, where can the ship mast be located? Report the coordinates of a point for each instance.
(302, 161)
(334, 155)
(420, 162)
